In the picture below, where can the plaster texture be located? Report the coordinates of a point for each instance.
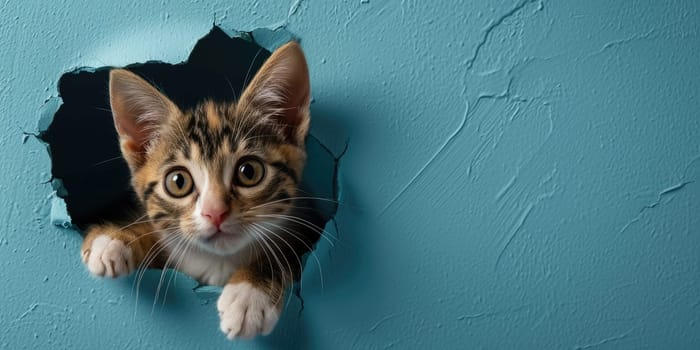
(519, 175)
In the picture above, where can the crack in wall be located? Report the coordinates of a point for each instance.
(383, 320)
(502, 192)
(450, 139)
(525, 214)
(494, 313)
(293, 9)
(336, 185)
(495, 24)
(663, 194)
(620, 42)
(472, 107)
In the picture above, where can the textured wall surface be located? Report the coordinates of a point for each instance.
(520, 174)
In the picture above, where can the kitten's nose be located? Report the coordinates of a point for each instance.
(215, 213)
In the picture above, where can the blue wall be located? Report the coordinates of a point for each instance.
(520, 174)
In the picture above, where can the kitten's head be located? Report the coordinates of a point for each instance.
(211, 176)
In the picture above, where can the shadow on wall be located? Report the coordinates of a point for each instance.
(88, 171)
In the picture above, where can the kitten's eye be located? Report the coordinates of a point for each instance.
(178, 183)
(249, 172)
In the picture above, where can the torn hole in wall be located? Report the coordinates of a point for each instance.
(89, 175)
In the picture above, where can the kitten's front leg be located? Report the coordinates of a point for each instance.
(250, 304)
(111, 250)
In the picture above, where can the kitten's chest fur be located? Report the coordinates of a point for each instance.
(206, 267)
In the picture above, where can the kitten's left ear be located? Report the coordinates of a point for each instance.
(281, 89)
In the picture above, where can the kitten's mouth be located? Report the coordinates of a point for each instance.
(225, 239)
(220, 238)
(215, 236)
(222, 242)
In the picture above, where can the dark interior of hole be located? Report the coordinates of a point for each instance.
(83, 143)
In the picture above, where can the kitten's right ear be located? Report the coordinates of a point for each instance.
(139, 111)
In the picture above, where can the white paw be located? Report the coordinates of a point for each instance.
(246, 311)
(108, 257)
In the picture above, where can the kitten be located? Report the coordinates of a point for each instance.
(218, 187)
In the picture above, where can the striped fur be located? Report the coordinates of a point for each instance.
(263, 230)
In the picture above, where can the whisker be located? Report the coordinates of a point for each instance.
(284, 241)
(173, 277)
(259, 137)
(272, 270)
(294, 198)
(292, 275)
(239, 121)
(106, 161)
(172, 255)
(233, 92)
(182, 139)
(289, 265)
(103, 109)
(258, 123)
(321, 232)
(181, 253)
(250, 67)
(149, 257)
(265, 240)
(318, 261)
(147, 234)
(136, 221)
(296, 219)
